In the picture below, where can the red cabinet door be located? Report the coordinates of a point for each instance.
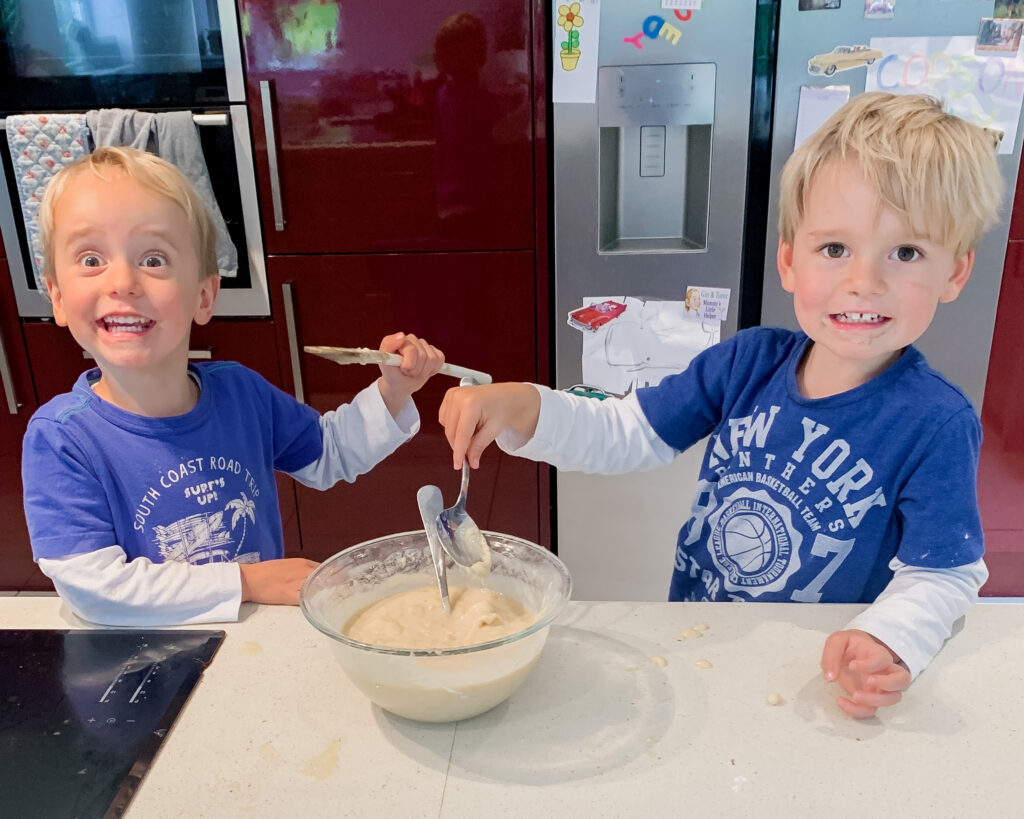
(57, 361)
(396, 128)
(1001, 472)
(480, 309)
(17, 570)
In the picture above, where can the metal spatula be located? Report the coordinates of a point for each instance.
(364, 355)
(428, 499)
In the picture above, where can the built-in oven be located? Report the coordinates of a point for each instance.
(74, 56)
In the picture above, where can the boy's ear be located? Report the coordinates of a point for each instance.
(56, 302)
(207, 298)
(784, 260)
(962, 268)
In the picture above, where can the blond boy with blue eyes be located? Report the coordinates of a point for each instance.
(149, 488)
(840, 467)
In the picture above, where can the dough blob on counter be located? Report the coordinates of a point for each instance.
(415, 619)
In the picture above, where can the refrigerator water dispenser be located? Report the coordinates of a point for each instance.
(655, 156)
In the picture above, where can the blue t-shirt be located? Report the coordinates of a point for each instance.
(197, 487)
(808, 500)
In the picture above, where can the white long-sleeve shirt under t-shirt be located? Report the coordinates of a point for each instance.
(915, 612)
(102, 585)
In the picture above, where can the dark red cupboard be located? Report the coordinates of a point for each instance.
(401, 166)
(393, 132)
(17, 571)
(448, 298)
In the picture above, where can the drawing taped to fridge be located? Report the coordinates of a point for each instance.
(631, 342)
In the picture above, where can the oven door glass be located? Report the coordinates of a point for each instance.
(227, 148)
(61, 54)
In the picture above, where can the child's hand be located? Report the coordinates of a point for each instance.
(474, 416)
(420, 361)
(869, 671)
(275, 581)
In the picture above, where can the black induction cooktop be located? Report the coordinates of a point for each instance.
(83, 713)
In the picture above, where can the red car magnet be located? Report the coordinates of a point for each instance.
(595, 315)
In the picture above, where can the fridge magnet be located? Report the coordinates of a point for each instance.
(879, 9)
(708, 303)
(576, 29)
(815, 5)
(998, 36)
(842, 58)
(654, 27)
(1015, 8)
(570, 19)
(647, 342)
(682, 4)
(593, 317)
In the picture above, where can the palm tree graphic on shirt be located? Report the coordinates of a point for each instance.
(244, 509)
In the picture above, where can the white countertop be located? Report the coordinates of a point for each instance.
(275, 729)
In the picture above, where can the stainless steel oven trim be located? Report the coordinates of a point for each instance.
(256, 300)
(253, 301)
(30, 301)
(231, 43)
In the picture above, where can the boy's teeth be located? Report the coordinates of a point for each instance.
(862, 318)
(126, 323)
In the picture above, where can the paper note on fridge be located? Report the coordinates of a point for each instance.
(817, 105)
(575, 33)
(982, 87)
(644, 343)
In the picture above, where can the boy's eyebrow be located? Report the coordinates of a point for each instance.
(80, 233)
(156, 232)
(161, 233)
(838, 234)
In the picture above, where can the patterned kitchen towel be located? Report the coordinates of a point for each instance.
(42, 144)
(171, 136)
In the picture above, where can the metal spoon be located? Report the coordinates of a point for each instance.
(460, 537)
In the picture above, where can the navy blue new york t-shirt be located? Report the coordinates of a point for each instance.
(808, 500)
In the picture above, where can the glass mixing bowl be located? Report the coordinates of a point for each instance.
(435, 685)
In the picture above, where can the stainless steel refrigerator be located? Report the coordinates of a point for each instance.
(709, 98)
(958, 341)
(650, 179)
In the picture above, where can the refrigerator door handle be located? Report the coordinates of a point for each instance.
(293, 341)
(268, 128)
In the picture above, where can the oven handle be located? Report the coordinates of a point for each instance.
(275, 179)
(293, 341)
(198, 119)
(211, 119)
(5, 375)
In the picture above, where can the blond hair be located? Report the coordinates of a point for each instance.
(153, 173)
(936, 170)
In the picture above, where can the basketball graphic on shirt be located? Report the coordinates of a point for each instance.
(754, 543)
(748, 542)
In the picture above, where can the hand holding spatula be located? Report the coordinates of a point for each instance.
(364, 355)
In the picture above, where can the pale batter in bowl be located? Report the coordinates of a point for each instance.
(416, 619)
